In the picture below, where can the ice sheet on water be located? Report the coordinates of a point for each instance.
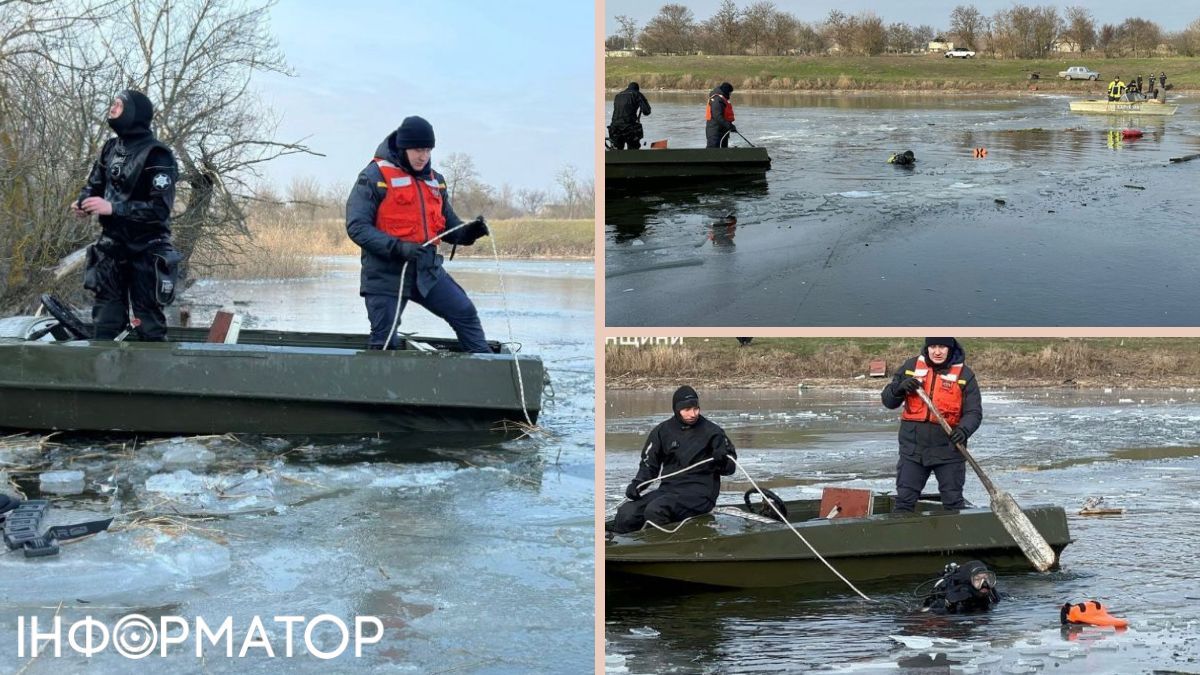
(61, 482)
(129, 564)
(185, 492)
(186, 454)
(644, 632)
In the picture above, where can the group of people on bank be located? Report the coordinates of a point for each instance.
(398, 212)
(688, 453)
(625, 132)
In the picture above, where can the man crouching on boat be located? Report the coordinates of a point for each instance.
(397, 213)
(688, 445)
(924, 447)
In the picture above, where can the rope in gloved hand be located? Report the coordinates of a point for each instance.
(503, 295)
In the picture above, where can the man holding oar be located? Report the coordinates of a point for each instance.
(690, 454)
(925, 448)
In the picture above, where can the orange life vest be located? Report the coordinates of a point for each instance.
(728, 108)
(945, 390)
(1090, 612)
(412, 208)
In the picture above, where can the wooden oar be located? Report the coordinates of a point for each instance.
(1032, 543)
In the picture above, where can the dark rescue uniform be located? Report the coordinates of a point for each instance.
(625, 132)
(924, 446)
(672, 446)
(133, 262)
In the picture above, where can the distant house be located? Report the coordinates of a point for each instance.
(636, 51)
(940, 45)
(1065, 46)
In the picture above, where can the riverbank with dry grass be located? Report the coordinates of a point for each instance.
(720, 363)
(278, 248)
(894, 74)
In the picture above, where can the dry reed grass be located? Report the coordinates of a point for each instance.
(784, 361)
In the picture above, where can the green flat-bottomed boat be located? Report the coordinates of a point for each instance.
(269, 382)
(671, 165)
(735, 547)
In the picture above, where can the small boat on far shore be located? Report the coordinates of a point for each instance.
(1101, 106)
(736, 547)
(659, 165)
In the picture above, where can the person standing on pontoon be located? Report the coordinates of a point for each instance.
(674, 445)
(718, 117)
(397, 213)
(924, 446)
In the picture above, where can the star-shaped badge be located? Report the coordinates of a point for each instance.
(162, 181)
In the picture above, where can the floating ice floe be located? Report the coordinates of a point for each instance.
(644, 632)
(61, 482)
(189, 493)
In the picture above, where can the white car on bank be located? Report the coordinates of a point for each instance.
(960, 54)
(1078, 73)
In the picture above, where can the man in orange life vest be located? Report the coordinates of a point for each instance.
(924, 446)
(397, 205)
(718, 117)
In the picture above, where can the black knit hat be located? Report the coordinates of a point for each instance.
(685, 397)
(634, 86)
(944, 341)
(726, 89)
(414, 132)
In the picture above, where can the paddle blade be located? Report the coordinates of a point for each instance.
(1032, 543)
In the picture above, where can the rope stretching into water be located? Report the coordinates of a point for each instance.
(797, 533)
(512, 343)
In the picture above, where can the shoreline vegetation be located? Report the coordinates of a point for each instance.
(893, 74)
(287, 249)
(785, 363)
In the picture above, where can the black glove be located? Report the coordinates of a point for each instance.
(403, 250)
(477, 228)
(909, 385)
(733, 129)
(632, 493)
(957, 435)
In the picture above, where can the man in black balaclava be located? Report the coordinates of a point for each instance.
(132, 190)
(396, 211)
(924, 446)
(685, 439)
(625, 132)
(718, 116)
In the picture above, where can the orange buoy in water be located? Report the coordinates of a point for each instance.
(1091, 613)
(1131, 133)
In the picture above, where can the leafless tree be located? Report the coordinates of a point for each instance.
(839, 30)
(722, 33)
(870, 37)
(756, 25)
(671, 31)
(627, 30)
(531, 201)
(1080, 28)
(1106, 40)
(1139, 36)
(965, 25)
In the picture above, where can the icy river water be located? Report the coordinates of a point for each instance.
(1138, 449)
(475, 554)
(836, 236)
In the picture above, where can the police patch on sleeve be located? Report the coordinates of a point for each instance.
(161, 181)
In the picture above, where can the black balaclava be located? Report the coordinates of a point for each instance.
(414, 132)
(957, 353)
(685, 397)
(134, 120)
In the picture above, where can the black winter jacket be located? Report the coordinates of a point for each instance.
(927, 442)
(673, 445)
(380, 267)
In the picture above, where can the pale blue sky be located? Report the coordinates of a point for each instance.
(509, 83)
(1172, 16)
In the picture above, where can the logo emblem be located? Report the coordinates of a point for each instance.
(162, 181)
